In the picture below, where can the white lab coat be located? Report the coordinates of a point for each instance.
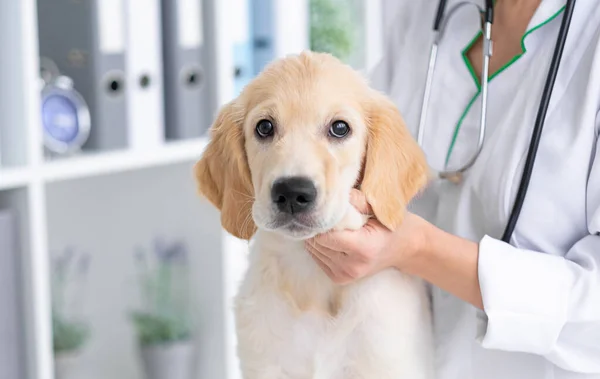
(541, 292)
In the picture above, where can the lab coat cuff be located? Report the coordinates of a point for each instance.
(525, 298)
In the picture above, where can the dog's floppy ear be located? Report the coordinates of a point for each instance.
(395, 168)
(223, 174)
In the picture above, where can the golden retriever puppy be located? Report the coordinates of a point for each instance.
(280, 165)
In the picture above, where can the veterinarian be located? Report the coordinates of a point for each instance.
(528, 308)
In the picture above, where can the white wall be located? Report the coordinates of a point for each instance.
(108, 216)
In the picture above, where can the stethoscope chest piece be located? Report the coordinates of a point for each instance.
(452, 177)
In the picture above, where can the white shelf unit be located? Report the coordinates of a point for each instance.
(107, 202)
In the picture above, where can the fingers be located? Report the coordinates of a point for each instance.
(326, 258)
(323, 250)
(338, 277)
(339, 240)
(326, 263)
(359, 201)
(323, 266)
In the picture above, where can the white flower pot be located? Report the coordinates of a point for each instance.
(168, 361)
(65, 365)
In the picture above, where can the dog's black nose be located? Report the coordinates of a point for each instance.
(294, 194)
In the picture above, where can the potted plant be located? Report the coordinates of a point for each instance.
(162, 323)
(332, 28)
(69, 331)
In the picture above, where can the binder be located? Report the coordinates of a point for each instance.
(242, 44)
(12, 347)
(263, 30)
(187, 98)
(87, 41)
(144, 74)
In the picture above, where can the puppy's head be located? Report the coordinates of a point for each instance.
(285, 154)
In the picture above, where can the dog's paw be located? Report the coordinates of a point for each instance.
(353, 220)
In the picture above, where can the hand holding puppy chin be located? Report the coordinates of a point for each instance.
(349, 255)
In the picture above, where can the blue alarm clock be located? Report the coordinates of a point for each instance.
(65, 116)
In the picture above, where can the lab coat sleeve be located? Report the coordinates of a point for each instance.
(544, 304)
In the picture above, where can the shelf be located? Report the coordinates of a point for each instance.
(121, 161)
(11, 178)
(103, 163)
(107, 202)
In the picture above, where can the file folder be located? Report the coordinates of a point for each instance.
(263, 29)
(144, 74)
(187, 98)
(87, 41)
(242, 44)
(12, 348)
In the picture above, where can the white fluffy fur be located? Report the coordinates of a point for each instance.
(293, 321)
(382, 330)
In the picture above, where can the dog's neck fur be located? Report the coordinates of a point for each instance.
(286, 262)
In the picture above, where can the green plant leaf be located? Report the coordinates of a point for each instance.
(331, 28)
(154, 329)
(163, 316)
(68, 335)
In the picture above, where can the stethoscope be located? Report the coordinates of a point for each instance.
(439, 25)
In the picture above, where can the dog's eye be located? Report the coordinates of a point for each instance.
(339, 129)
(264, 128)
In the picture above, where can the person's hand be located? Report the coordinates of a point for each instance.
(349, 255)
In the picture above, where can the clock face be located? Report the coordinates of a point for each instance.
(60, 118)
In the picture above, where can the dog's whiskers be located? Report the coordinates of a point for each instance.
(248, 217)
(250, 197)
(247, 221)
